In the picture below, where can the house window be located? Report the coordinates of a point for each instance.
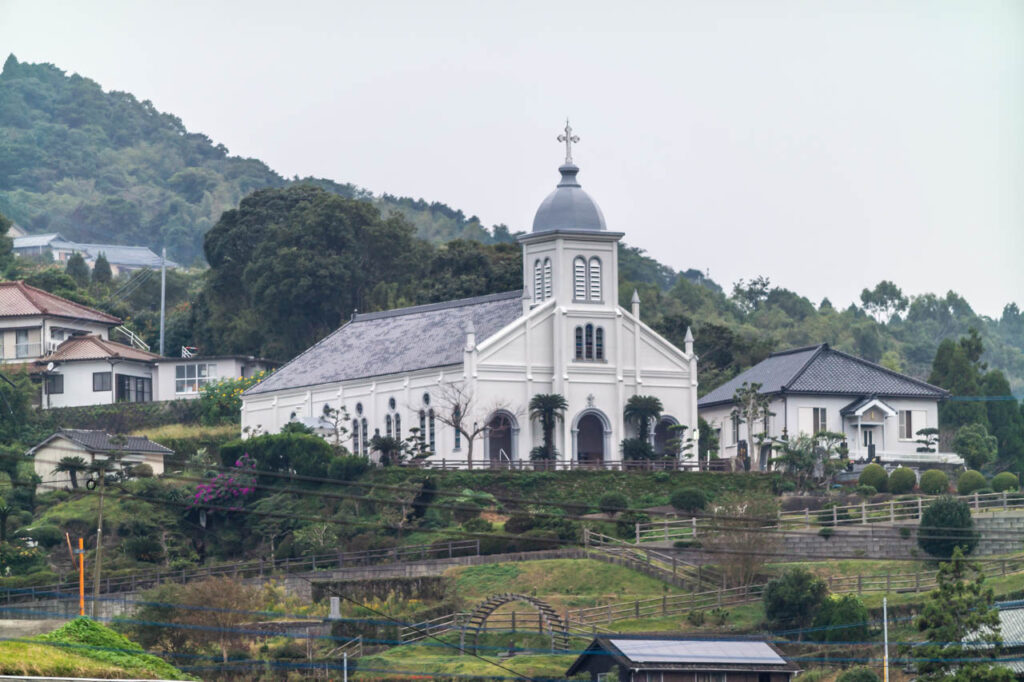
(547, 278)
(595, 279)
(869, 437)
(906, 425)
(710, 677)
(193, 378)
(579, 343)
(54, 384)
(538, 282)
(101, 381)
(588, 342)
(22, 348)
(426, 398)
(433, 446)
(579, 279)
(735, 433)
(133, 389)
(820, 420)
(599, 344)
(458, 434)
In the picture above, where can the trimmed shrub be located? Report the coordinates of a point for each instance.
(689, 499)
(612, 503)
(902, 480)
(874, 475)
(934, 482)
(842, 618)
(466, 510)
(858, 675)
(142, 470)
(477, 525)
(46, 536)
(866, 491)
(1005, 481)
(970, 481)
(519, 523)
(945, 525)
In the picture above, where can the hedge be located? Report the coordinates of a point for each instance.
(874, 475)
(970, 481)
(902, 480)
(934, 482)
(120, 417)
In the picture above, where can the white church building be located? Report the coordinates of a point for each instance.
(563, 333)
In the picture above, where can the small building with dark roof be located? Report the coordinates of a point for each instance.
(627, 659)
(818, 388)
(91, 446)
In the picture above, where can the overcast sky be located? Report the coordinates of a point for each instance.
(826, 145)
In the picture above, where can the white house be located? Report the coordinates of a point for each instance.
(818, 388)
(121, 258)
(563, 333)
(92, 446)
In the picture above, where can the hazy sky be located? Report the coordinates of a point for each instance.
(827, 145)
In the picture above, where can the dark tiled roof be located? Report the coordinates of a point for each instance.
(100, 441)
(823, 370)
(402, 340)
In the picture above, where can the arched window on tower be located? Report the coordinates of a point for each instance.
(599, 344)
(547, 278)
(579, 343)
(594, 272)
(538, 282)
(579, 279)
(588, 333)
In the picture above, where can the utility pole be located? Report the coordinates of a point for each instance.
(885, 630)
(81, 576)
(99, 544)
(163, 296)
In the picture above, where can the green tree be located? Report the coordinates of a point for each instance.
(390, 449)
(961, 628)
(927, 439)
(6, 244)
(884, 301)
(751, 408)
(956, 368)
(842, 618)
(72, 465)
(5, 512)
(548, 409)
(101, 273)
(973, 443)
(858, 675)
(792, 600)
(1005, 417)
(643, 411)
(78, 270)
(947, 525)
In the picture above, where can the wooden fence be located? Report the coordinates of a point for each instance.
(890, 511)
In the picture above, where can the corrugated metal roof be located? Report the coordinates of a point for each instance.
(820, 369)
(18, 299)
(36, 240)
(697, 651)
(92, 347)
(130, 256)
(402, 340)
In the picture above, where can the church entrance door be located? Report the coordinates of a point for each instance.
(590, 440)
(662, 435)
(499, 440)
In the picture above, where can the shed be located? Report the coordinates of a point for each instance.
(92, 445)
(666, 659)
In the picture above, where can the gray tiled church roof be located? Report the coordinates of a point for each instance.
(823, 370)
(392, 341)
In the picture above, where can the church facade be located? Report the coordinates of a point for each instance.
(486, 357)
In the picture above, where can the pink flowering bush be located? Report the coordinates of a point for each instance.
(228, 489)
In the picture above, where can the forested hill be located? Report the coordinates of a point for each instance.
(104, 167)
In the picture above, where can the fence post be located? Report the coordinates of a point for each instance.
(860, 585)
(449, 549)
(1006, 505)
(807, 518)
(863, 512)
(665, 527)
(892, 511)
(920, 508)
(664, 604)
(478, 546)
(693, 523)
(976, 507)
(637, 529)
(887, 582)
(835, 516)
(917, 582)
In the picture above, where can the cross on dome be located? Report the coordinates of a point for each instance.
(568, 138)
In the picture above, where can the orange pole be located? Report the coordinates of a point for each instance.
(81, 577)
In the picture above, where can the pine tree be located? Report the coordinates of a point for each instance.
(954, 370)
(78, 270)
(101, 273)
(960, 608)
(1005, 418)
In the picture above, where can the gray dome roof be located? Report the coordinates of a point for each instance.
(568, 207)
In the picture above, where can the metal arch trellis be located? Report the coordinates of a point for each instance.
(556, 624)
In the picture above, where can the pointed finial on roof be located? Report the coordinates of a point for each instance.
(689, 336)
(688, 342)
(569, 139)
(636, 297)
(470, 327)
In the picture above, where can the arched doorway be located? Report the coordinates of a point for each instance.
(663, 434)
(591, 433)
(500, 442)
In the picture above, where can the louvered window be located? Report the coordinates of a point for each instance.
(547, 278)
(538, 283)
(595, 279)
(579, 272)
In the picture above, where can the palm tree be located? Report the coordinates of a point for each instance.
(644, 410)
(548, 408)
(72, 465)
(389, 447)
